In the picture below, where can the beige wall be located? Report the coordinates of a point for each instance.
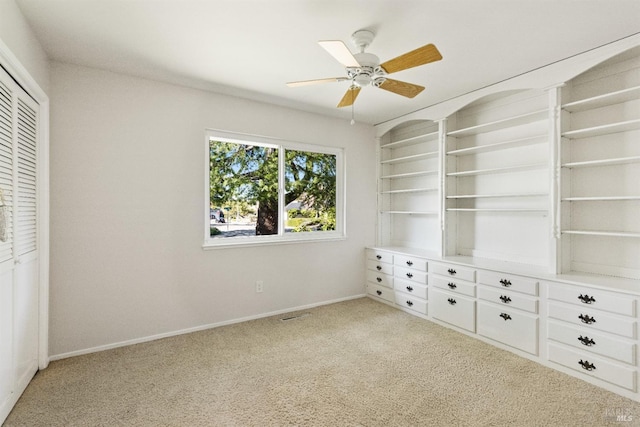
(127, 185)
(16, 33)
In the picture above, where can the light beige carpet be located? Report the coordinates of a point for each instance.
(356, 363)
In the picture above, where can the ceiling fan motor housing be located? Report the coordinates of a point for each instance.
(369, 70)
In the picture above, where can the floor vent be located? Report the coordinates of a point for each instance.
(295, 316)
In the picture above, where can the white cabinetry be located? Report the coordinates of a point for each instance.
(523, 200)
(497, 179)
(600, 159)
(408, 186)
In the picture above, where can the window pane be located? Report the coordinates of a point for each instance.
(310, 184)
(243, 189)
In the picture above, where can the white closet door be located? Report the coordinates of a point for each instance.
(19, 291)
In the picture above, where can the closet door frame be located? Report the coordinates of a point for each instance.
(13, 66)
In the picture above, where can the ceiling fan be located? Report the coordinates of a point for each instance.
(365, 68)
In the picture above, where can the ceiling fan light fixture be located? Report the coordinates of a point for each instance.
(362, 80)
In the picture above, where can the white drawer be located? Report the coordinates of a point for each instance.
(410, 262)
(599, 343)
(589, 364)
(508, 281)
(454, 309)
(456, 271)
(409, 287)
(379, 255)
(380, 279)
(411, 302)
(380, 292)
(410, 274)
(453, 285)
(593, 298)
(510, 327)
(382, 267)
(508, 299)
(593, 319)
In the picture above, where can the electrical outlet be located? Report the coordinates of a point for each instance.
(259, 285)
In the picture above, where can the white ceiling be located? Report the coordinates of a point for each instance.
(251, 48)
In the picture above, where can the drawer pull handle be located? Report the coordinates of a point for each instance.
(451, 271)
(586, 299)
(378, 267)
(505, 299)
(452, 285)
(378, 256)
(379, 292)
(586, 365)
(409, 303)
(379, 279)
(409, 263)
(409, 275)
(506, 283)
(584, 318)
(409, 288)
(451, 301)
(586, 341)
(505, 316)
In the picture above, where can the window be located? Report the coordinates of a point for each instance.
(262, 190)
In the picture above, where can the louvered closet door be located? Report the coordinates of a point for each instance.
(18, 242)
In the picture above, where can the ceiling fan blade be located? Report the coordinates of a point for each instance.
(350, 97)
(316, 81)
(420, 56)
(340, 52)
(401, 88)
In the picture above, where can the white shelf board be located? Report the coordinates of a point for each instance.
(543, 211)
(410, 212)
(410, 141)
(409, 174)
(410, 158)
(502, 123)
(487, 196)
(602, 233)
(603, 100)
(499, 170)
(603, 129)
(598, 199)
(603, 162)
(410, 190)
(499, 145)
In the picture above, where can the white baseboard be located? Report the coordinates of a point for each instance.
(196, 329)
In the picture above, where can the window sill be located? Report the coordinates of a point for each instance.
(243, 242)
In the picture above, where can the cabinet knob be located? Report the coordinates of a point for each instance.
(505, 316)
(379, 292)
(505, 299)
(409, 263)
(586, 341)
(586, 299)
(451, 271)
(409, 288)
(451, 301)
(452, 285)
(586, 365)
(409, 275)
(584, 318)
(379, 279)
(506, 283)
(379, 256)
(409, 303)
(378, 267)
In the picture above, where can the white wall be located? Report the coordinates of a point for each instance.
(127, 185)
(16, 33)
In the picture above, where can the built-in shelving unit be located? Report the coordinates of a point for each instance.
(497, 178)
(408, 185)
(600, 161)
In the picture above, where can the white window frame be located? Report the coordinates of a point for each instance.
(281, 238)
